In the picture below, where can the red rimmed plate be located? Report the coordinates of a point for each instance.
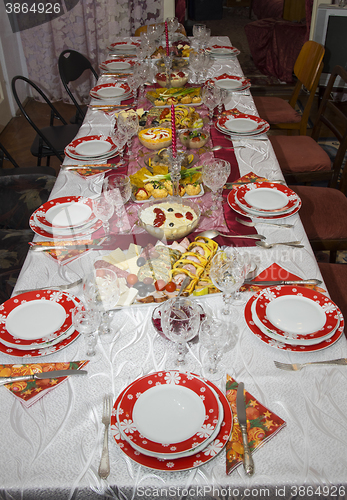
(117, 64)
(127, 46)
(282, 345)
(140, 401)
(312, 314)
(58, 210)
(75, 232)
(91, 146)
(242, 124)
(184, 463)
(236, 135)
(266, 197)
(34, 318)
(117, 90)
(223, 51)
(230, 82)
(236, 207)
(67, 339)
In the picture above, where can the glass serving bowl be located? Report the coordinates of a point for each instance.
(178, 79)
(159, 218)
(162, 158)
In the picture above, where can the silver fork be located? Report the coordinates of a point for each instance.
(60, 287)
(298, 366)
(252, 224)
(104, 467)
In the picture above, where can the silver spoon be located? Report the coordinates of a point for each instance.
(252, 224)
(217, 148)
(287, 243)
(212, 233)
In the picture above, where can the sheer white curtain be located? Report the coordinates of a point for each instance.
(88, 28)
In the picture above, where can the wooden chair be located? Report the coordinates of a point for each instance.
(301, 158)
(143, 29)
(335, 278)
(324, 209)
(51, 140)
(280, 113)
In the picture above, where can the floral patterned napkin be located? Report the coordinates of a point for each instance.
(86, 171)
(262, 425)
(30, 391)
(66, 254)
(275, 273)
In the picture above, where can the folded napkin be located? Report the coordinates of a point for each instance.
(262, 425)
(66, 254)
(86, 171)
(30, 391)
(275, 273)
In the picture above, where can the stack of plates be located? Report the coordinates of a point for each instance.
(223, 51)
(242, 125)
(37, 323)
(115, 92)
(171, 421)
(91, 147)
(118, 64)
(124, 47)
(265, 200)
(230, 83)
(294, 318)
(66, 217)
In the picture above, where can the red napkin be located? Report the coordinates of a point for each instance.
(262, 425)
(275, 273)
(30, 391)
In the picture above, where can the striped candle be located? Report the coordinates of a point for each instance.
(167, 39)
(173, 128)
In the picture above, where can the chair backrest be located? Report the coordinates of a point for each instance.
(72, 65)
(4, 154)
(331, 116)
(54, 112)
(308, 68)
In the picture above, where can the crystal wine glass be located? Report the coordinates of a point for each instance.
(217, 337)
(209, 99)
(103, 208)
(118, 188)
(180, 321)
(128, 123)
(221, 96)
(87, 321)
(101, 291)
(215, 173)
(227, 273)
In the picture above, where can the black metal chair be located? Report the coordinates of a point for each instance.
(72, 65)
(5, 155)
(52, 140)
(22, 190)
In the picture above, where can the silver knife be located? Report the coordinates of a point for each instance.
(241, 416)
(89, 167)
(42, 248)
(275, 283)
(44, 375)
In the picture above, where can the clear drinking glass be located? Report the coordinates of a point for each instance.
(103, 208)
(215, 173)
(101, 291)
(128, 123)
(217, 338)
(87, 321)
(227, 273)
(209, 99)
(117, 187)
(180, 321)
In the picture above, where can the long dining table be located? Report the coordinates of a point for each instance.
(52, 449)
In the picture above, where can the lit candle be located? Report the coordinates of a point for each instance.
(173, 128)
(167, 39)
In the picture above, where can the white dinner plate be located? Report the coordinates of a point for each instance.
(93, 148)
(243, 125)
(266, 199)
(68, 214)
(35, 319)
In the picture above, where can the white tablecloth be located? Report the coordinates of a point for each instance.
(52, 449)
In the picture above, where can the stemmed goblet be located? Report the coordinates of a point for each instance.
(117, 188)
(180, 321)
(227, 273)
(103, 208)
(101, 291)
(217, 337)
(209, 99)
(214, 175)
(128, 123)
(87, 321)
(221, 96)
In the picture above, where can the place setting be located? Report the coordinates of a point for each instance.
(264, 200)
(115, 91)
(239, 125)
(118, 64)
(230, 83)
(222, 51)
(66, 217)
(91, 147)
